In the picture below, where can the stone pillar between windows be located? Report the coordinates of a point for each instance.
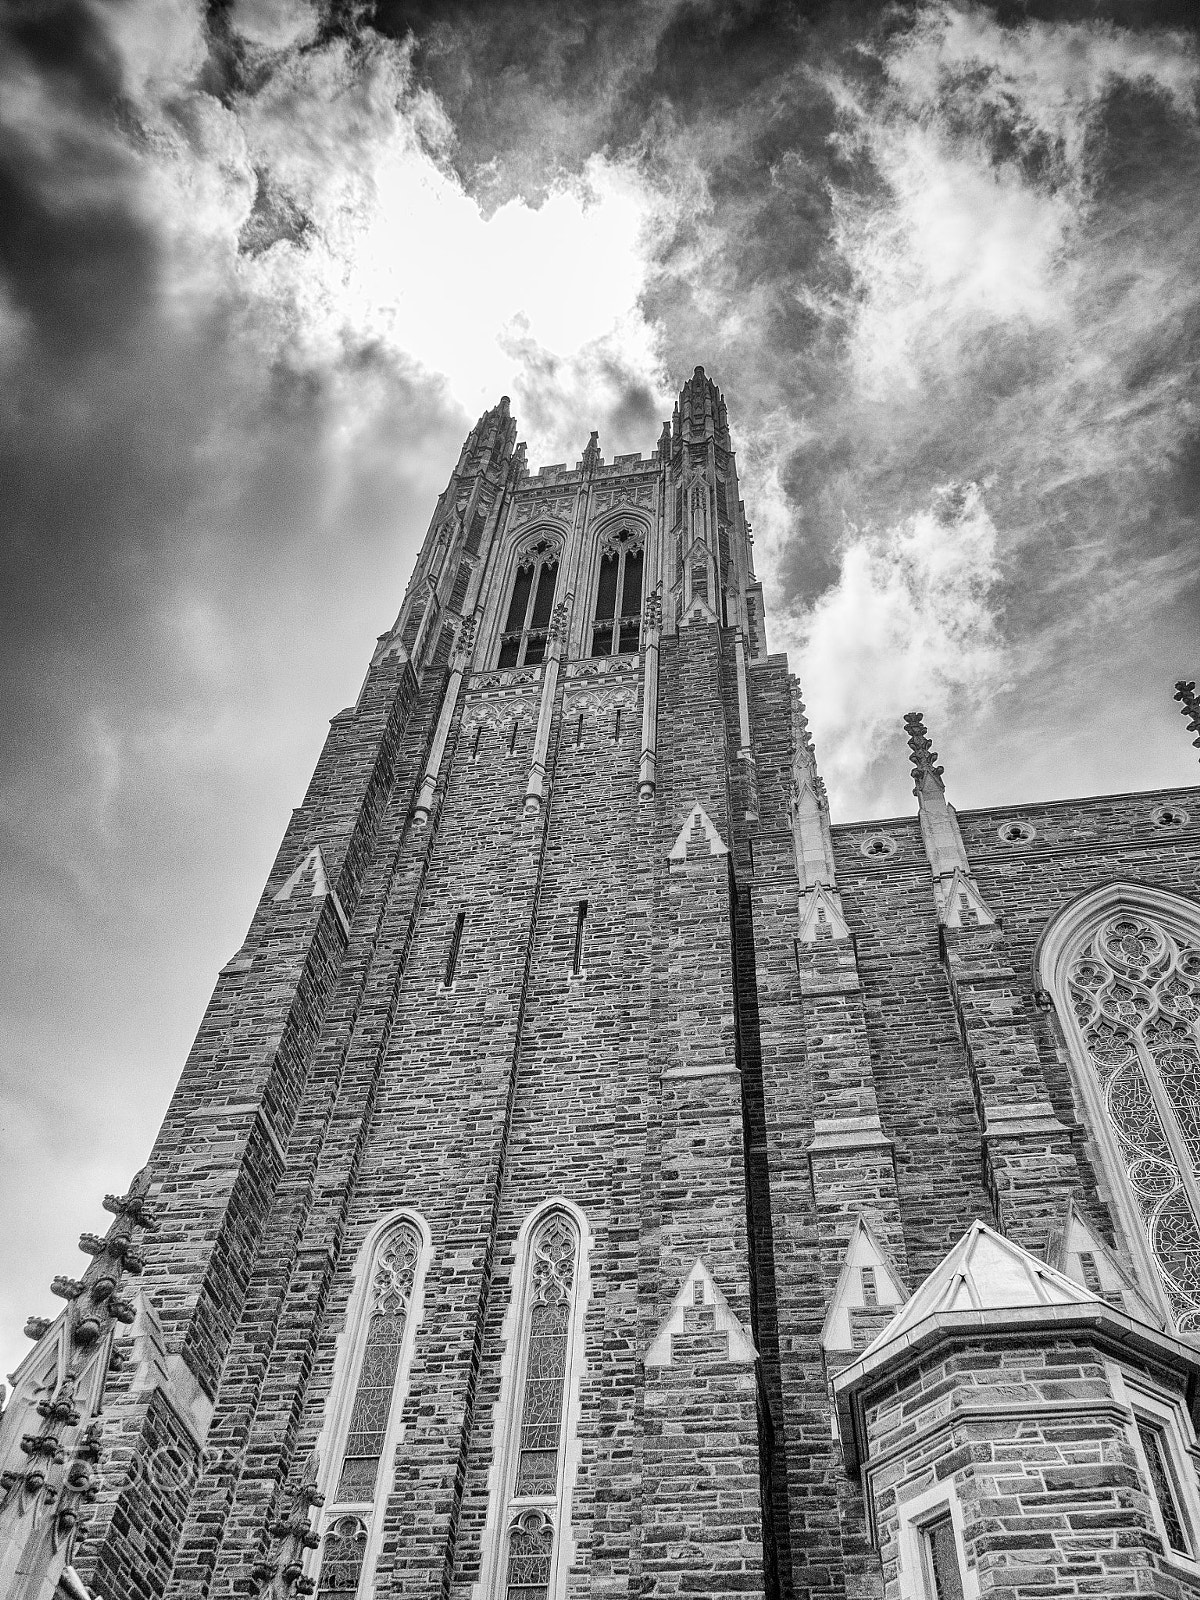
(1029, 1160)
(437, 749)
(535, 789)
(647, 767)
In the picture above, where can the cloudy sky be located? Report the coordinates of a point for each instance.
(260, 269)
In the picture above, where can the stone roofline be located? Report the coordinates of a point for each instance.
(1114, 1331)
(620, 467)
(1187, 795)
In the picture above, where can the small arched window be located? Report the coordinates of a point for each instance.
(527, 625)
(1127, 982)
(533, 1516)
(617, 624)
(380, 1335)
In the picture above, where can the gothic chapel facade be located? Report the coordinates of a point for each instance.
(597, 1174)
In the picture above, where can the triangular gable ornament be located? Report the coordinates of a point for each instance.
(983, 1272)
(314, 864)
(1077, 1250)
(697, 817)
(697, 1292)
(862, 1251)
(959, 901)
(821, 910)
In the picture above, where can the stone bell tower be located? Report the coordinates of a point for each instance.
(600, 1173)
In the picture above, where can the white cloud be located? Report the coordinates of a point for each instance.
(395, 254)
(910, 622)
(961, 245)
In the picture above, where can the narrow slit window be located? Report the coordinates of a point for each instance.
(512, 736)
(617, 726)
(1091, 1277)
(943, 1575)
(577, 951)
(617, 620)
(870, 1289)
(475, 739)
(524, 641)
(579, 729)
(1162, 1482)
(452, 953)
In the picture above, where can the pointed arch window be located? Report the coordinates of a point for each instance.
(380, 1343)
(617, 623)
(549, 1339)
(530, 607)
(1127, 982)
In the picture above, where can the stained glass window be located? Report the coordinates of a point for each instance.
(941, 1560)
(391, 1290)
(1134, 994)
(1155, 1449)
(392, 1280)
(342, 1552)
(547, 1343)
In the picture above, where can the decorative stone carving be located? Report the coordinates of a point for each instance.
(959, 901)
(281, 1575)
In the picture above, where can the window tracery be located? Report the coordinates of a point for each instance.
(617, 623)
(526, 630)
(1133, 988)
(388, 1312)
(534, 1511)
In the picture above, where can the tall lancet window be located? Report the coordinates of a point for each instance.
(617, 625)
(379, 1339)
(531, 1551)
(530, 607)
(1128, 984)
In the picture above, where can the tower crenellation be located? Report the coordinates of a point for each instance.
(586, 1115)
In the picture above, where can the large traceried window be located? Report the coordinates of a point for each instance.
(530, 607)
(531, 1543)
(617, 624)
(1128, 985)
(380, 1338)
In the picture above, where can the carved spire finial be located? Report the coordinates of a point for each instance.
(591, 456)
(923, 755)
(1189, 704)
(820, 907)
(955, 891)
(281, 1575)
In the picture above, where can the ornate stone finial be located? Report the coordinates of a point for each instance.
(955, 891)
(664, 440)
(800, 724)
(466, 635)
(820, 907)
(924, 756)
(591, 456)
(560, 616)
(1189, 704)
(281, 1575)
(654, 608)
(133, 1205)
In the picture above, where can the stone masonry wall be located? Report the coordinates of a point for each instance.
(1038, 1449)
